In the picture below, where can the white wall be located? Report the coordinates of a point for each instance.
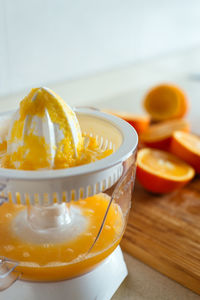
(44, 41)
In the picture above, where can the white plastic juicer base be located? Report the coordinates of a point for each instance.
(99, 284)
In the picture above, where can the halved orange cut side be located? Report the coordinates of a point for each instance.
(139, 122)
(162, 172)
(159, 135)
(187, 146)
(166, 101)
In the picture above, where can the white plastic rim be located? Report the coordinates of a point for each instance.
(92, 175)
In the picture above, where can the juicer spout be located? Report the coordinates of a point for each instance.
(3, 197)
(8, 273)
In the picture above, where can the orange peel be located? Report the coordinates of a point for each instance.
(159, 135)
(166, 101)
(187, 147)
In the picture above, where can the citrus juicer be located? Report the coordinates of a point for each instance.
(62, 227)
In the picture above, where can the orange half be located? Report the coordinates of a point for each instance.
(187, 147)
(162, 172)
(139, 122)
(159, 135)
(166, 101)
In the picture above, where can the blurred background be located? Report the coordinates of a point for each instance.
(47, 41)
(91, 51)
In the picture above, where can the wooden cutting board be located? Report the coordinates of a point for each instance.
(164, 232)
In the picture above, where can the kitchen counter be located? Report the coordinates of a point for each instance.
(124, 89)
(144, 283)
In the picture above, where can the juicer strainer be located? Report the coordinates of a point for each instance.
(49, 186)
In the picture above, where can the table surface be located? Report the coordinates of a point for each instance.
(144, 283)
(123, 89)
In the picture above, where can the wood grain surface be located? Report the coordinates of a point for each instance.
(164, 232)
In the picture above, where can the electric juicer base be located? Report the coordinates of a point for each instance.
(99, 284)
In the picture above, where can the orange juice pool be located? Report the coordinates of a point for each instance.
(58, 261)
